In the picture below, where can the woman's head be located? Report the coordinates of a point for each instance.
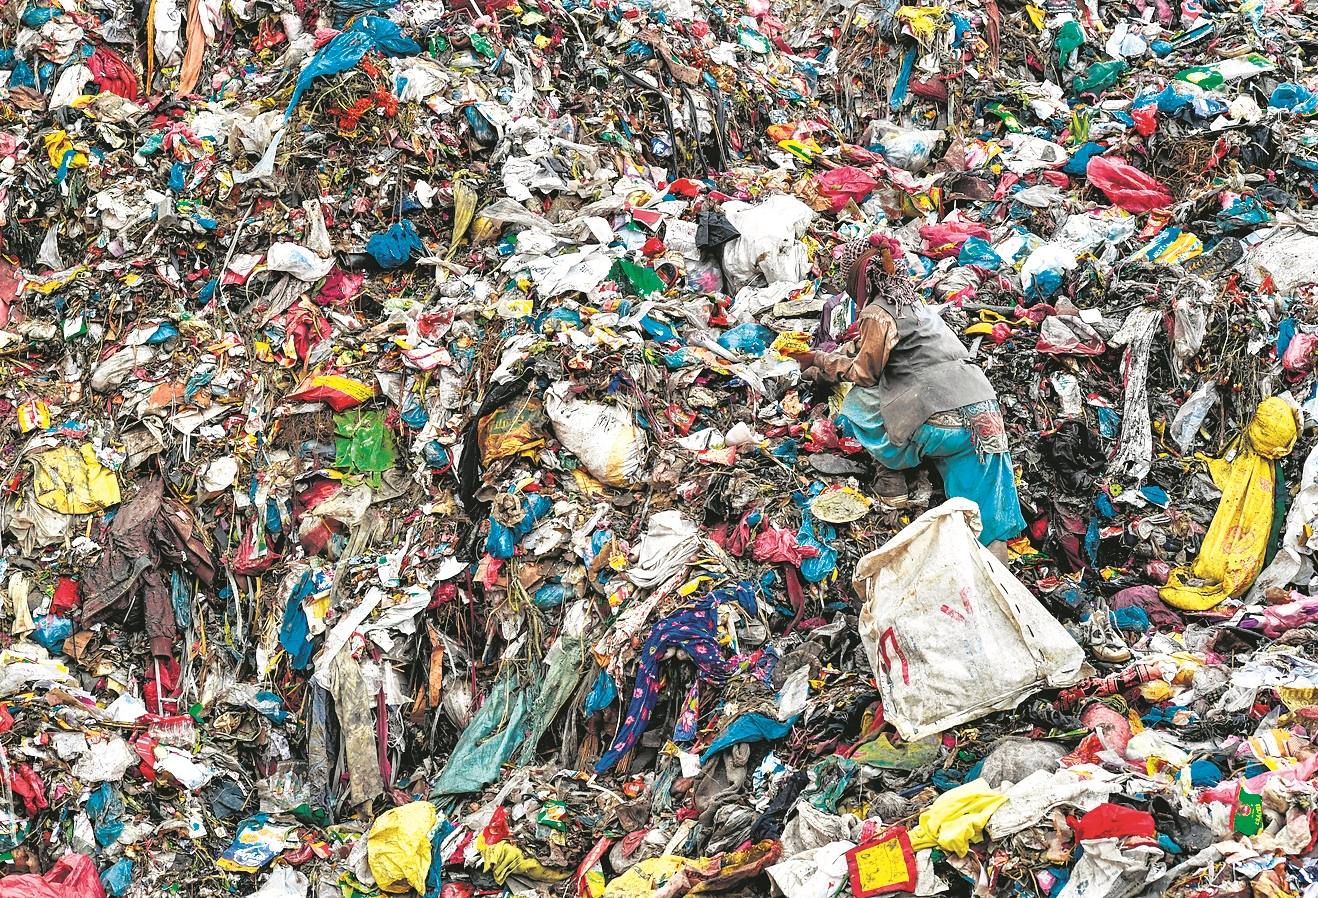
(865, 261)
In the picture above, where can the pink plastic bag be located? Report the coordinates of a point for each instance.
(778, 544)
(73, 876)
(943, 240)
(1300, 354)
(1126, 186)
(841, 185)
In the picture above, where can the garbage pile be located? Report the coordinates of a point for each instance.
(410, 487)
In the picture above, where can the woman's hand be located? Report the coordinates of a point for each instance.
(804, 359)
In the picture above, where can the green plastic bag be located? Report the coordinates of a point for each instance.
(364, 445)
(1099, 77)
(639, 280)
(1069, 38)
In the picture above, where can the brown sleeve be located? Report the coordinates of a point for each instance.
(877, 337)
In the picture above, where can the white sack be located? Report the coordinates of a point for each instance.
(951, 635)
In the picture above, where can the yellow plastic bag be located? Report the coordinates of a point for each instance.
(464, 210)
(921, 20)
(791, 341)
(504, 859)
(398, 847)
(71, 480)
(957, 818)
(517, 427)
(1234, 548)
(641, 880)
(58, 145)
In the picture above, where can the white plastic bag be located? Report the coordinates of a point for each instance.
(283, 882)
(1294, 562)
(821, 871)
(769, 250)
(297, 260)
(1190, 416)
(907, 148)
(951, 635)
(669, 541)
(604, 438)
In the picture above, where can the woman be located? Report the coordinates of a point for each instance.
(917, 395)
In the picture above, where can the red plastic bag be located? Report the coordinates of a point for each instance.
(779, 544)
(1126, 186)
(841, 185)
(1146, 119)
(112, 74)
(942, 241)
(73, 876)
(25, 783)
(255, 553)
(1113, 821)
(65, 597)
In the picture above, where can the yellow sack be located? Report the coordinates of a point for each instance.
(71, 480)
(957, 818)
(1234, 548)
(398, 847)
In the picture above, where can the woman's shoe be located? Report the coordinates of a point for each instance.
(890, 487)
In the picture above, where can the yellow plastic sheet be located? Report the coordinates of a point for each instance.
(957, 818)
(1234, 548)
(398, 847)
(71, 480)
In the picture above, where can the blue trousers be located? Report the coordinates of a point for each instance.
(988, 481)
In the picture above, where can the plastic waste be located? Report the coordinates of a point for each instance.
(1127, 186)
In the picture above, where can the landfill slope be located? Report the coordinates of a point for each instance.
(414, 482)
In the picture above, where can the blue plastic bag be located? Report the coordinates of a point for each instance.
(551, 595)
(105, 811)
(752, 339)
(1293, 98)
(501, 542)
(367, 34)
(117, 878)
(818, 568)
(978, 251)
(396, 246)
(602, 694)
(52, 630)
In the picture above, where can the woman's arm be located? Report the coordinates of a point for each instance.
(877, 337)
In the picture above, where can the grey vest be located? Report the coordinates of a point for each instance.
(928, 371)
